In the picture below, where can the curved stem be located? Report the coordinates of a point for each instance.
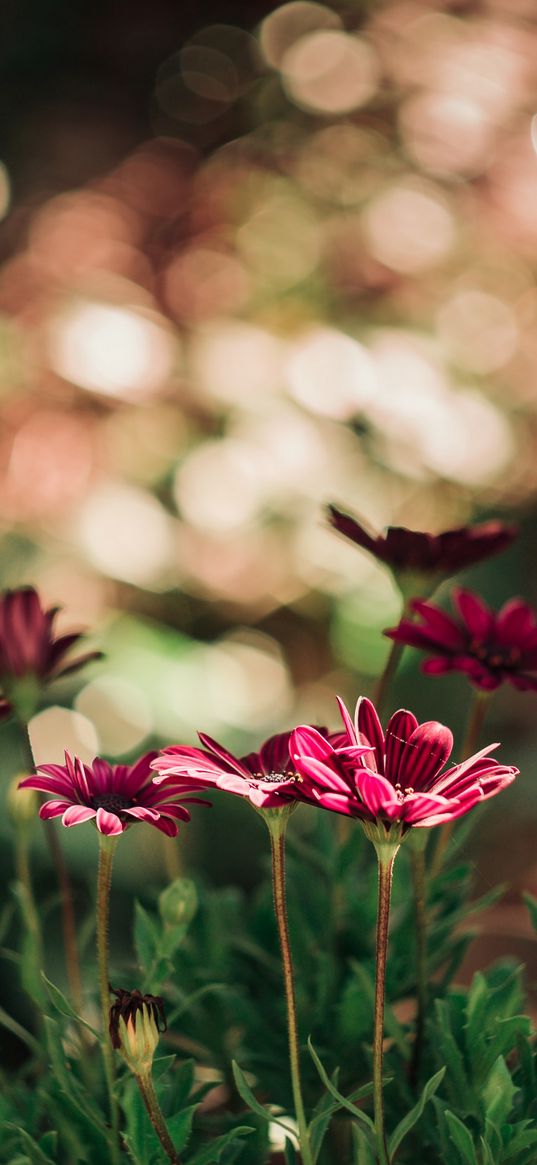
(385, 679)
(72, 961)
(385, 870)
(417, 859)
(277, 841)
(154, 1112)
(471, 738)
(107, 847)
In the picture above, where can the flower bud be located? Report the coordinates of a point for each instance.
(21, 804)
(136, 1022)
(178, 903)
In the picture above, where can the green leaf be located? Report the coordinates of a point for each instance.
(62, 1004)
(180, 1126)
(289, 1152)
(408, 1121)
(531, 903)
(498, 1093)
(16, 1029)
(247, 1095)
(212, 1154)
(363, 1149)
(35, 1153)
(343, 1100)
(146, 937)
(462, 1138)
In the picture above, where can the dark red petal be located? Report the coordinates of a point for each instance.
(475, 613)
(400, 727)
(353, 529)
(369, 731)
(423, 756)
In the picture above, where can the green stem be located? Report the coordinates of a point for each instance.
(471, 738)
(277, 840)
(417, 860)
(32, 972)
(107, 847)
(154, 1112)
(72, 961)
(385, 871)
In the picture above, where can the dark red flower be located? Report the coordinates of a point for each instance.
(29, 650)
(418, 553)
(267, 778)
(491, 649)
(113, 796)
(393, 779)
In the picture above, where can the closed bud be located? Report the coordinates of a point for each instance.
(178, 903)
(136, 1022)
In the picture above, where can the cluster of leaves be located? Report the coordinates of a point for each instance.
(213, 954)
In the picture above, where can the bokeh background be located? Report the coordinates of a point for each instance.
(256, 258)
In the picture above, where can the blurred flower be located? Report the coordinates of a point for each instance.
(417, 558)
(136, 1022)
(491, 649)
(393, 781)
(29, 652)
(267, 778)
(114, 796)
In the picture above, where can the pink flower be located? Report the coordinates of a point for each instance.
(489, 648)
(398, 779)
(421, 553)
(114, 796)
(28, 647)
(267, 778)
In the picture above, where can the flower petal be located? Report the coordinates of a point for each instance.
(400, 727)
(477, 616)
(376, 792)
(52, 809)
(76, 814)
(369, 731)
(108, 823)
(423, 755)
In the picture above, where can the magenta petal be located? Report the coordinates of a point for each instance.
(515, 623)
(76, 814)
(478, 618)
(143, 813)
(53, 809)
(423, 755)
(306, 741)
(400, 727)
(230, 761)
(167, 826)
(376, 792)
(322, 774)
(440, 627)
(419, 805)
(274, 754)
(369, 731)
(349, 726)
(108, 823)
(437, 666)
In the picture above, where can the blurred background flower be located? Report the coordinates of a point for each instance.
(255, 259)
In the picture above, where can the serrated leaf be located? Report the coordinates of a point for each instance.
(343, 1100)
(498, 1093)
(462, 1138)
(408, 1121)
(62, 1004)
(146, 937)
(244, 1090)
(180, 1126)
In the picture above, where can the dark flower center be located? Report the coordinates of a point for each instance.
(274, 778)
(495, 656)
(112, 802)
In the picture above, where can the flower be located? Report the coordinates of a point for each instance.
(136, 1022)
(267, 778)
(114, 796)
(29, 651)
(416, 554)
(394, 779)
(489, 648)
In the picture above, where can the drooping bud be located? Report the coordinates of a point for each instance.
(136, 1022)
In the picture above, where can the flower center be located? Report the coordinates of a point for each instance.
(495, 656)
(274, 778)
(402, 793)
(112, 802)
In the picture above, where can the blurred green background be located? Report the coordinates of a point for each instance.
(256, 258)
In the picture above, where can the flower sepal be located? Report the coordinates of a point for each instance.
(386, 840)
(23, 694)
(276, 819)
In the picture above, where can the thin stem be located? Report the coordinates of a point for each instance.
(277, 841)
(473, 731)
(72, 961)
(107, 847)
(392, 663)
(385, 870)
(417, 860)
(30, 914)
(154, 1112)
